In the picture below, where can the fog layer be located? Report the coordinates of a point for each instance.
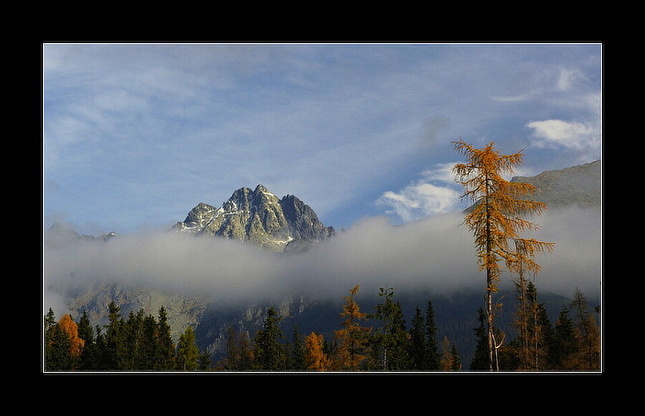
(435, 254)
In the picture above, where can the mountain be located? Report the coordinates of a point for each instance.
(574, 186)
(259, 217)
(61, 235)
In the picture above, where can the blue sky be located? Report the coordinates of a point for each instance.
(135, 135)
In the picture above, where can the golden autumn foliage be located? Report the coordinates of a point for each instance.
(496, 219)
(352, 339)
(499, 204)
(315, 357)
(70, 327)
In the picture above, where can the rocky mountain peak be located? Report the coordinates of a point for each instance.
(257, 216)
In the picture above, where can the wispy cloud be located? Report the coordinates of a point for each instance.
(435, 193)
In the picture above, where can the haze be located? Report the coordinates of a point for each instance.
(435, 253)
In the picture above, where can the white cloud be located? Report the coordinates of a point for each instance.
(419, 200)
(422, 199)
(559, 133)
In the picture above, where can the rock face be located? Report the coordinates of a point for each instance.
(259, 217)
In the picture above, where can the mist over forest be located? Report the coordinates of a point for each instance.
(435, 254)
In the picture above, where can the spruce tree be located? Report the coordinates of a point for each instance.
(418, 343)
(297, 351)
(391, 339)
(481, 359)
(114, 348)
(57, 350)
(150, 347)
(87, 360)
(431, 339)
(565, 346)
(269, 350)
(166, 348)
(133, 342)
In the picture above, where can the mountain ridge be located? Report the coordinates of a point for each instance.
(257, 216)
(578, 185)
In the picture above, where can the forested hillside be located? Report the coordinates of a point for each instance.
(378, 341)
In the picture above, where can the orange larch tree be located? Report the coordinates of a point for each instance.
(70, 327)
(315, 357)
(496, 222)
(352, 339)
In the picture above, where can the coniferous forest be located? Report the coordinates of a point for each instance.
(142, 342)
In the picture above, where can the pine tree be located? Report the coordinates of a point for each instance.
(432, 360)
(166, 347)
(57, 345)
(87, 359)
(481, 358)
(297, 353)
(57, 350)
(424, 351)
(564, 348)
(418, 343)
(132, 340)
(390, 341)
(495, 220)
(49, 321)
(114, 347)
(150, 348)
(269, 351)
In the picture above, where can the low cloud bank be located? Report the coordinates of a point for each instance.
(436, 253)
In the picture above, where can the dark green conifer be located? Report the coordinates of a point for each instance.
(481, 359)
(269, 351)
(166, 347)
(87, 359)
(391, 339)
(432, 343)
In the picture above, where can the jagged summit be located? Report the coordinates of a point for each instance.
(260, 217)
